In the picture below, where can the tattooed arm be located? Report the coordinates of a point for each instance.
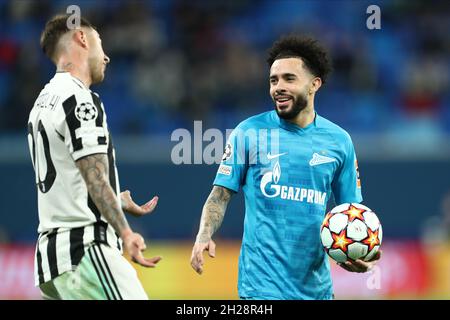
(213, 213)
(212, 217)
(94, 169)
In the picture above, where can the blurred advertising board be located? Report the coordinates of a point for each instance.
(16, 272)
(402, 272)
(407, 270)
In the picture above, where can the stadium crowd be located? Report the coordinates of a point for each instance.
(173, 62)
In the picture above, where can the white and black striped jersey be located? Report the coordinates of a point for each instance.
(67, 122)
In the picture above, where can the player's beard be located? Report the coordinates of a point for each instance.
(299, 103)
(97, 71)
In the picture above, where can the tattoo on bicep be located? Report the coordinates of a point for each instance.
(213, 212)
(94, 169)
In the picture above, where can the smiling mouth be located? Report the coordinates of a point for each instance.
(283, 101)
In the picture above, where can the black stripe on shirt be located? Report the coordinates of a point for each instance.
(51, 254)
(39, 265)
(73, 123)
(112, 165)
(39, 258)
(102, 141)
(76, 245)
(99, 120)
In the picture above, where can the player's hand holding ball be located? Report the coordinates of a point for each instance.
(351, 234)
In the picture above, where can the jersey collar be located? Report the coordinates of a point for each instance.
(293, 127)
(76, 80)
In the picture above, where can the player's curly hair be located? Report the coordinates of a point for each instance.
(313, 55)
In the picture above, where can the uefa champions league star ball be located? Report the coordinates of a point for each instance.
(351, 231)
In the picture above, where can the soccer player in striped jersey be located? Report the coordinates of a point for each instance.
(82, 226)
(287, 176)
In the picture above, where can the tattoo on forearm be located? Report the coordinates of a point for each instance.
(213, 213)
(94, 169)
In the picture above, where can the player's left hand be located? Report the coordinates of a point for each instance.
(132, 208)
(360, 266)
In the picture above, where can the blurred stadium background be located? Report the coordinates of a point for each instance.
(174, 62)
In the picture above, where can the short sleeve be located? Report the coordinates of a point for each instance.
(81, 121)
(233, 167)
(346, 184)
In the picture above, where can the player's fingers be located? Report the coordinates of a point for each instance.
(149, 263)
(154, 260)
(195, 264)
(149, 202)
(360, 266)
(212, 249)
(150, 206)
(199, 269)
(199, 258)
(377, 256)
(351, 266)
(345, 267)
(194, 260)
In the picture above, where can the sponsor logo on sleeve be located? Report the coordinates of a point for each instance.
(224, 169)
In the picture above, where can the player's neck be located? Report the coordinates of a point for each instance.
(305, 117)
(79, 72)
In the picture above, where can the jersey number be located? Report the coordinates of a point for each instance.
(50, 176)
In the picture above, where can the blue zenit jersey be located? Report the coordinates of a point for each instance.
(287, 174)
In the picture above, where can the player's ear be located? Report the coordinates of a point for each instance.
(80, 37)
(316, 83)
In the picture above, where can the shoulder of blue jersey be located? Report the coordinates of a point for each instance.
(334, 129)
(256, 122)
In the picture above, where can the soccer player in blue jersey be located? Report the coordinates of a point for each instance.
(287, 162)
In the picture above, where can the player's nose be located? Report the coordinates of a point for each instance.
(279, 87)
(106, 59)
(280, 91)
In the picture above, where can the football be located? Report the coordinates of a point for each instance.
(351, 231)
